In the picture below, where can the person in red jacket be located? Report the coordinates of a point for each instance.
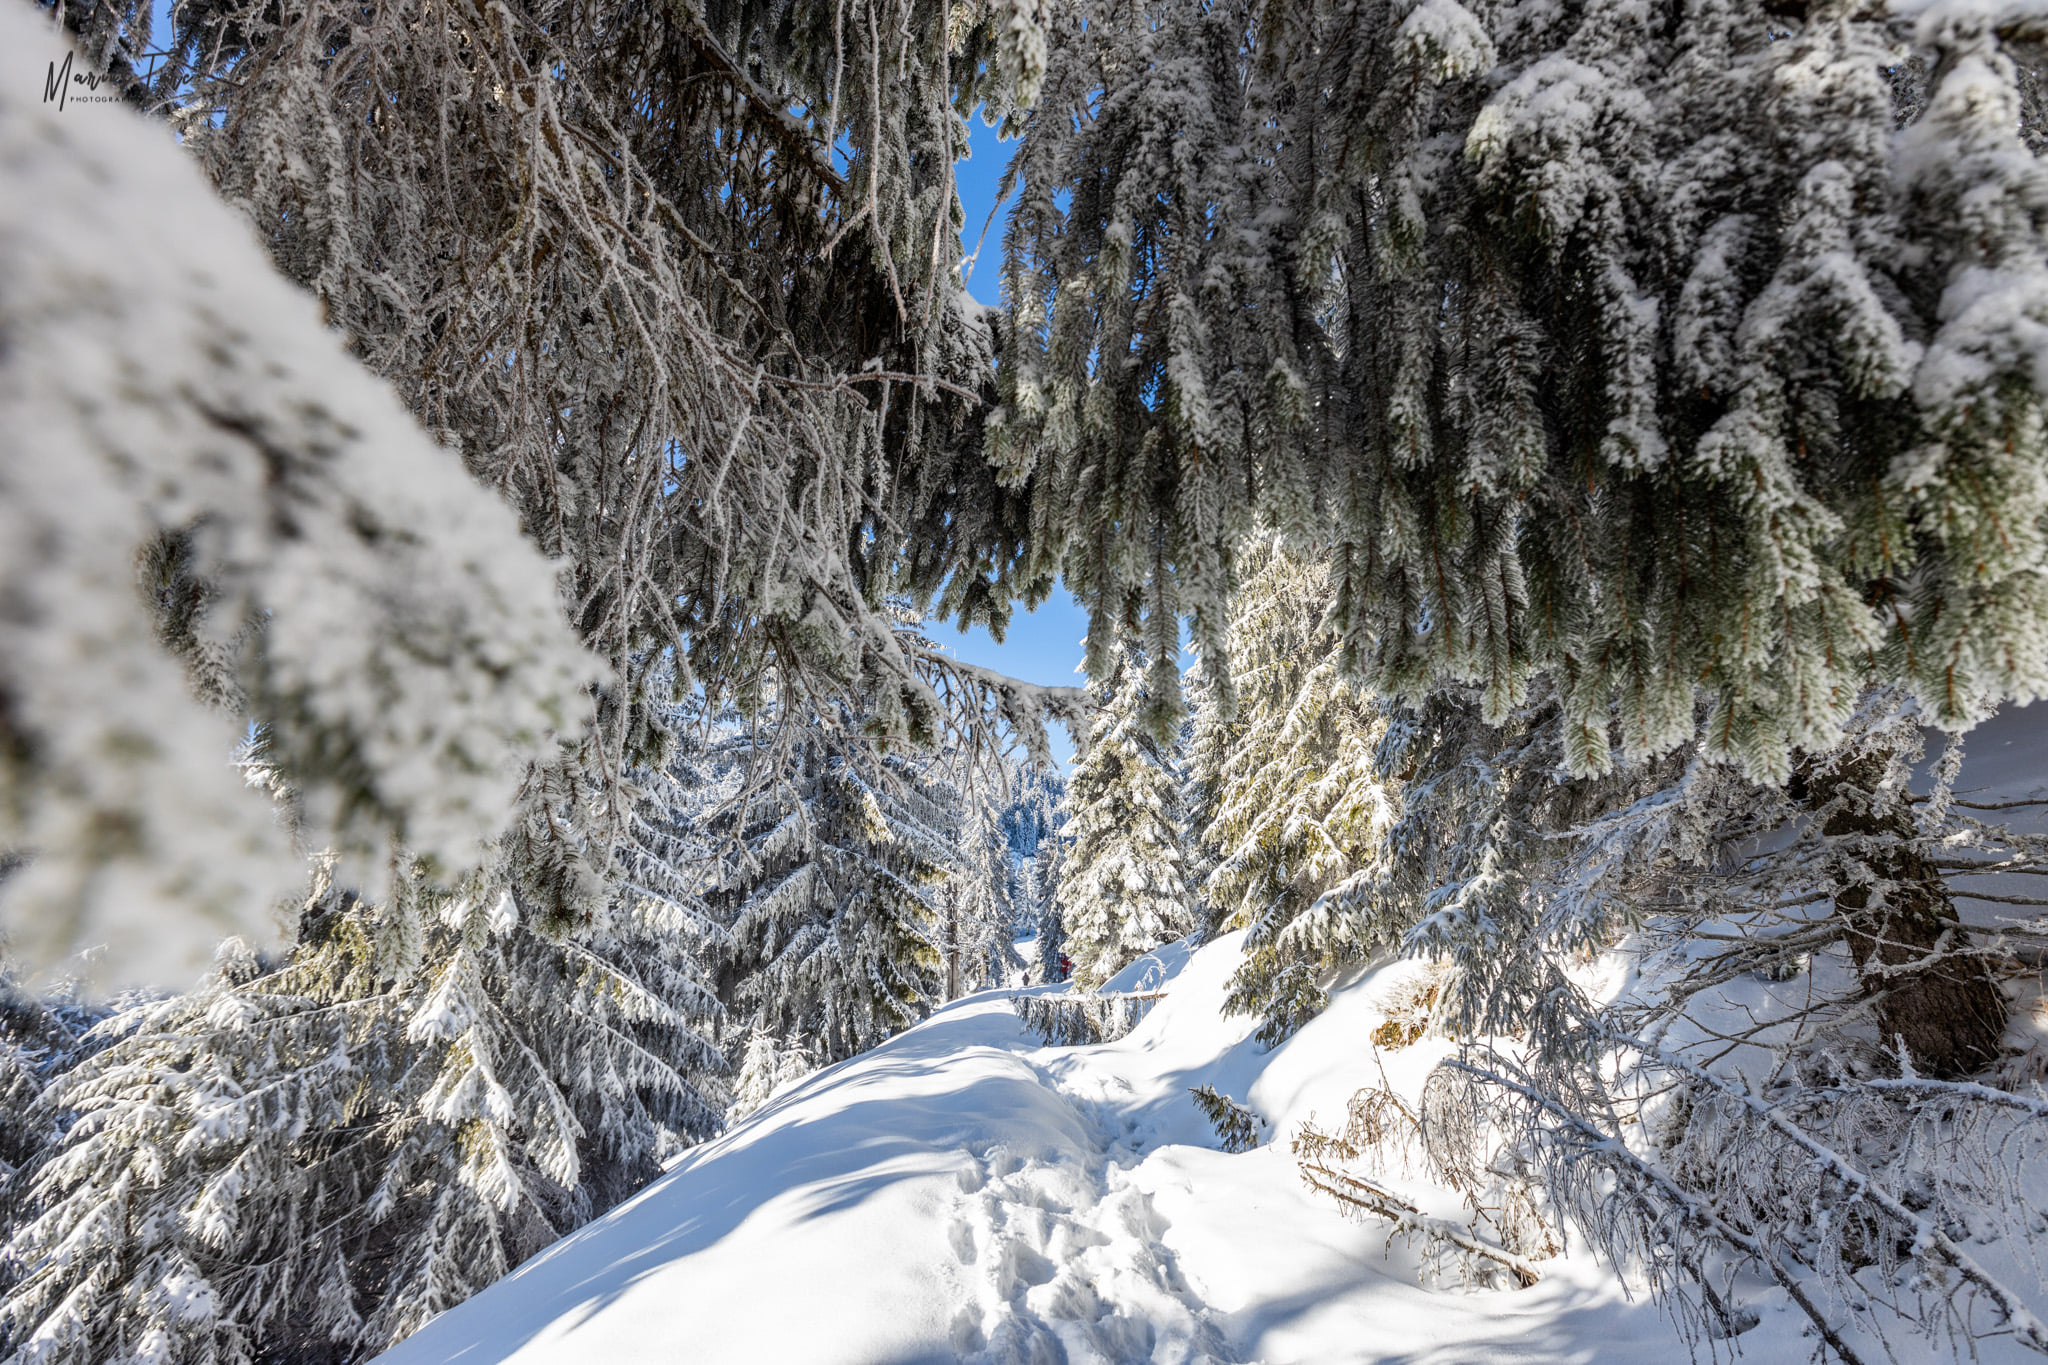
(1066, 966)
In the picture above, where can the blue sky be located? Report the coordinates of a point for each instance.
(1043, 646)
(977, 175)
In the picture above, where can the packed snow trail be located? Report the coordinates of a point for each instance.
(961, 1194)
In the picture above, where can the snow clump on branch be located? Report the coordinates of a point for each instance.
(173, 410)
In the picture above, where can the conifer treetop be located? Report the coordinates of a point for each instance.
(1123, 882)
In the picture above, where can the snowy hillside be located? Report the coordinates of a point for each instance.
(960, 1193)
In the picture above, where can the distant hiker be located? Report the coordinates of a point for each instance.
(1066, 966)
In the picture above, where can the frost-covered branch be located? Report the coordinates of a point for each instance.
(1383, 1201)
(311, 558)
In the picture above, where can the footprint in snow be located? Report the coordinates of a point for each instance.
(1070, 1269)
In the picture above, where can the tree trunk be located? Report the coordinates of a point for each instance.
(952, 945)
(1948, 1010)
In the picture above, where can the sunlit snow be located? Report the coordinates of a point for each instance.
(960, 1193)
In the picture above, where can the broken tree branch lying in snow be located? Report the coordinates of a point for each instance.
(1402, 1212)
(1651, 1202)
(1378, 1120)
(1723, 1181)
(1927, 1242)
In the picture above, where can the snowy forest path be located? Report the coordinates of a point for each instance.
(963, 1194)
(956, 1194)
(1066, 1260)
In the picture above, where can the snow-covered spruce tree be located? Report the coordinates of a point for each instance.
(1032, 813)
(1653, 351)
(768, 1066)
(491, 1081)
(314, 1160)
(1033, 818)
(1804, 889)
(1654, 348)
(1289, 807)
(834, 871)
(201, 493)
(42, 1035)
(1501, 867)
(978, 924)
(113, 38)
(1048, 929)
(759, 1071)
(1472, 871)
(1123, 884)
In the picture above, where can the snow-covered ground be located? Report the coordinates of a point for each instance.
(960, 1193)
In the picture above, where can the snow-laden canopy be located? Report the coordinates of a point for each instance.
(205, 499)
